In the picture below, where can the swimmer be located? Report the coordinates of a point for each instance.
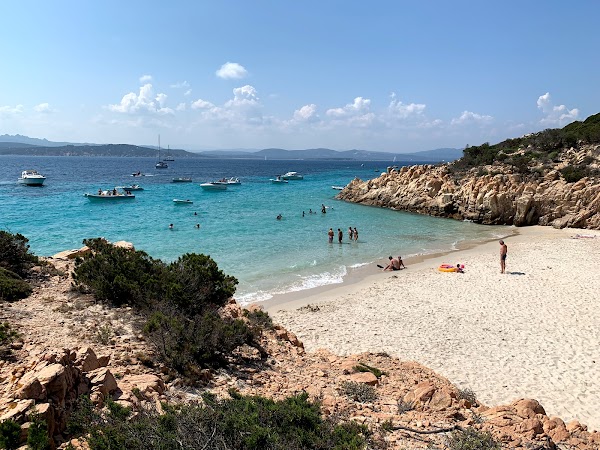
(170, 226)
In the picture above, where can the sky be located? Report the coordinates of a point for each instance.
(396, 76)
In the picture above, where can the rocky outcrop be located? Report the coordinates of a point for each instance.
(490, 195)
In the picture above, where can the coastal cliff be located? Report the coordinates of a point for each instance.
(517, 188)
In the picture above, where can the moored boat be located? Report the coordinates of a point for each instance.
(31, 178)
(214, 186)
(131, 187)
(182, 202)
(278, 180)
(292, 176)
(110, 195)
(338, 188)
(182, 180)
(233, 181)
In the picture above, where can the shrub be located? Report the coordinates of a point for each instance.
(12, 287)
(359, 392)
(7, 337)
(10, 434)
(240, 422)
(573, 174)
(472, 439)
(14, 253)
(37, 436)
(259, 321)
(467, 394)
(362, 367)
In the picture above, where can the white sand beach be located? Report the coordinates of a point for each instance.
(533, 332)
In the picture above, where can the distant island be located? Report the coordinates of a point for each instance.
(25, 146)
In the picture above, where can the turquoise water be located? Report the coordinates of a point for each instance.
(238, 227)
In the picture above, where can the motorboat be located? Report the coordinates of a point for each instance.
(292, 176)
(338, 188)
(278, 180)
(233, 181)
(179, 201)
(182, 180)
(131, 187)
(214, 186)
(31, 178)
(137, 174)
(110, 195)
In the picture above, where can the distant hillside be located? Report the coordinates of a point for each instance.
(19, 139)
(117, 150)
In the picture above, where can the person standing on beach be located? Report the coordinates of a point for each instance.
(503, 252)
(340, 235)
(330, 234)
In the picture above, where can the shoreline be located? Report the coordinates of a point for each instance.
(529, 333)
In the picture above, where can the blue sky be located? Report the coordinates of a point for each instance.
(396, 76)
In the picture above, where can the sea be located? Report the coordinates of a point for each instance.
(238, 227)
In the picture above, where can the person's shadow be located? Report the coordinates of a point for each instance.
(516, 273)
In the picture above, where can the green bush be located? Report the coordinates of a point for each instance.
(179, 302)
(12, 287)
(37, 436)
(472, 439)
(10, 434)
(359, 392)
(573, 174)
(14, 253)
(240, 422)
(7, 337)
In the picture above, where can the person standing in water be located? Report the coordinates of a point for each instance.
(350, 233)
(330, 234)
(340, 235)
(503, 252)
(355, 234)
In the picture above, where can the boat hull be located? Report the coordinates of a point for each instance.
(178, 201)
(32, 181)
(213, 187)
(182, 180)
(108, 198)
(278, 181)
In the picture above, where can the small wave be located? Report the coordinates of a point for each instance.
(252, 297)
(357, 265)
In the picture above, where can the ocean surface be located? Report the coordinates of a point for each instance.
(238, 227)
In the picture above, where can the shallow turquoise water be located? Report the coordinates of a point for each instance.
(238, 227)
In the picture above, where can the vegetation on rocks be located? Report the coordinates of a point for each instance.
(240, 422)
(7, 337)
(14, 253)
(179, 302)
(12, 286)
(472, 439)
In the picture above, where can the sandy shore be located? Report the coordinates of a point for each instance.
(533, 332)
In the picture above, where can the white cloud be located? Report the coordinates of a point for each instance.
(43, 108)
(555, 115)
(231, 70)
(188, 92)
(10, 110)
(145, 79)
(202, 104)
(360, 106)
(308, 113)
(403, 111)
(145, 101)
(180, 107)
(468, 117)
(180, 85)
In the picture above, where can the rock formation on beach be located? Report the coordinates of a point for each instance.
(527, 181)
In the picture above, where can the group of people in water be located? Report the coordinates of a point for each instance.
(352, 234)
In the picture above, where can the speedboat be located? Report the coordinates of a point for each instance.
(182, 180)
(132, 187)
(278, 180)
(161, 165)
(292, 176)
(110, 195)
(214, 186)
(137, 174)
(31, 178)
(233, 181)
(182, 202)
(338, 188)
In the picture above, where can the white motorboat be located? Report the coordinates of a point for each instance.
(338, 188)
(110, 195)
(32, 178)
(214, 186)
(292, 176)
(179, 201)
(182, 180)
(233, 181)
(131, 187)
(137, 174)
(278, 180)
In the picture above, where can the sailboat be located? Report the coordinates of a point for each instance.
(160, 164)
(169, 157)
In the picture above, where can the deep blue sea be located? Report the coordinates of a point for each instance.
(238, 227)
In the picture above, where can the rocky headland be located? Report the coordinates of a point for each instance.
(530, 191)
